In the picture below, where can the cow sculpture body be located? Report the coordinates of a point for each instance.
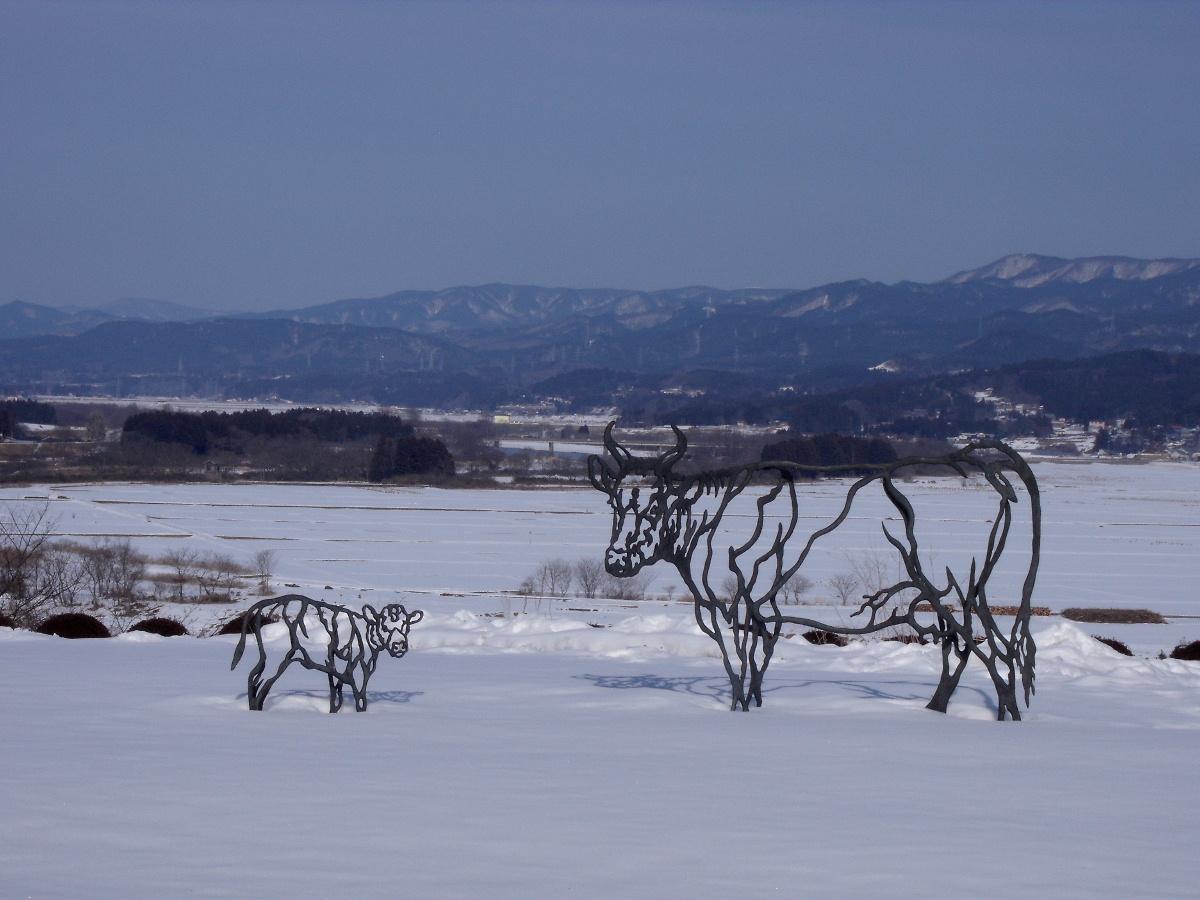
(736, 578)
(340, 642)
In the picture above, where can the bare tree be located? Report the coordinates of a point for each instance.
(843, 586)
(589, 575)
(24, 531)
(264, 567)
(183, 565)
(98, 576)
(34, 575)
(97, 430)
(871, 570)
(128, 570)
(877, 573)
(553, 577)
(794, 589)
(217, 576)
(56, 579)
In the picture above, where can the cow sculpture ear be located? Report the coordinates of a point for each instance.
(369, 612)
(599, 475)
(416, 616)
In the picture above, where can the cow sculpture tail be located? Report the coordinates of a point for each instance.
(241, 646)
(254, 614)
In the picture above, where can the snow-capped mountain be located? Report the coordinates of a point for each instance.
(1031, 270)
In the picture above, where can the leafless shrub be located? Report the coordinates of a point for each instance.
(1114, 616)
(823, 638)
(127, 610)
(632, 588)
(1016, 610)
(1188, 651)
(56, 578)
(589, 575)
(729, 587)
(1114, 644)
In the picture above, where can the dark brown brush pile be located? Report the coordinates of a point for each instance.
(74, 625)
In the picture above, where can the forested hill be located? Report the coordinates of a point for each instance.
(1145, 387)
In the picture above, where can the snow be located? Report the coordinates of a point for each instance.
(585, 748)
(604, 767)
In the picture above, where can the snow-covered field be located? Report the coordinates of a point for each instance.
(539, 756)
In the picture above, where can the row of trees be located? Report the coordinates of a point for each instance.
(22, 409)
(224, 430)
(587, 578)
(830, 450)
(398, 457)
(866, 573)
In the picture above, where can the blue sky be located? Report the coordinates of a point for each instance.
(256, 155)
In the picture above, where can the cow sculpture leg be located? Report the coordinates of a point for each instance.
(335, 684)
(258, 692)
(954, 660)
(753, 645)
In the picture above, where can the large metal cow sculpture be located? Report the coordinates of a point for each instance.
(736, 586)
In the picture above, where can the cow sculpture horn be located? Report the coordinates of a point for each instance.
(668, 459)
(622, 456)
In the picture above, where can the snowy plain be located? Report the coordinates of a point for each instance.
(542, 756)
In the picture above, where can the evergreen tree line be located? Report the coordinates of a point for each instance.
(830, 450)
(396, 457)
(24, 410)
(205, 430)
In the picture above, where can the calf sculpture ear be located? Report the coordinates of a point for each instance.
(369, 612)
(416, 616)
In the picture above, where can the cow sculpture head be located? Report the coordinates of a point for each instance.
(640, 495)
(388, 630)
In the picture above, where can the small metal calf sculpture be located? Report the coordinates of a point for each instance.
(354, 641)
(657, 515)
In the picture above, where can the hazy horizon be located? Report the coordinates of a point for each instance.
(278, 155)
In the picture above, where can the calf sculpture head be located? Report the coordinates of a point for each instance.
(639, 493)
(388, 630)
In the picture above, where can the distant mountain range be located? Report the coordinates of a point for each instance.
(20, 319)
(492, 342)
